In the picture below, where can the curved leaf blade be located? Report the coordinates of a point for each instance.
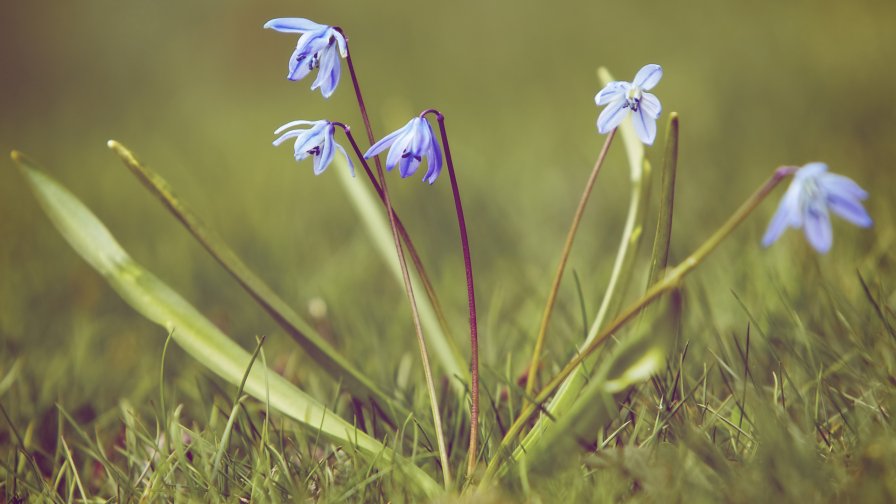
(153, 299)
(321, 352)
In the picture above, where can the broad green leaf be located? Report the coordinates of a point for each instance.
(201, 339)
(322, 353)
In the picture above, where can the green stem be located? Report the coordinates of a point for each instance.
(571, 387)
(561, 266)
(670, 281)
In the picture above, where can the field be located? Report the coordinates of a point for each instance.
(766, 374)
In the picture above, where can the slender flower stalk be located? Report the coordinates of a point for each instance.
(561, 266)
(471, 296)
(667, 283)
(405, 237)
(358, 95)
(409, 290)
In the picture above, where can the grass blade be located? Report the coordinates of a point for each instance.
(319, 349)
(198, 336)
(237, 401)
(877, 305)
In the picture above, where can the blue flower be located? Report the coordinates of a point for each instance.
(620, 97)
(319, 47)
(316, 141)
(812, 193)
(408, 147)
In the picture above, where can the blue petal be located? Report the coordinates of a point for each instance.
(304, 143)
(341, 42)
(844, 186)
(787, 214)
(309, 139)
(328, 75)
(651, 104)
(397, 150)
(777, 225)
(293, 25)
(384, 143)
(326, 153)
(298, 65)
(421, 137)
(648, 76)
(810, 170)
(610, 92)
(351, 166)
(287, 135)
(294, 123)
(611, 116)
(435, 162)
(645, 126)
(408, 165)
(817, 227)
(849, 209)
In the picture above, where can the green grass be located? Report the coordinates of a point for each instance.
(793, 405)
(780, 365)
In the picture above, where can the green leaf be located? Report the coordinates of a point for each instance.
(660, 257)
(628, 364)
(153, 299)
(319, 349)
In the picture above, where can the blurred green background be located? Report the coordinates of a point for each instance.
(197, 88)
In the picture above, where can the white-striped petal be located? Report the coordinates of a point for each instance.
(351, 166)
(286, 136)
(294, 123)
(322, 160)
(398, 148)
(838, 184)
(645, 126)
(383, 144)
(651, 104)
(328, 73)
(293, 25)
(817, 227)
(648, 76)
(611, 116)
(849, 209)
(612, 91)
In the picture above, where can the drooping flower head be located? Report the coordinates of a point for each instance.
(807, 201)
(319, 47)
(316, 141)
(407, 148)
(622, 98)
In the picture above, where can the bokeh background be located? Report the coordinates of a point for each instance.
(197, 88)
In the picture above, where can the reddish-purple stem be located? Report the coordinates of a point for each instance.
(405, 237)
(471, 295)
